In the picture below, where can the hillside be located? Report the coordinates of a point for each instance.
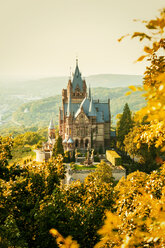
(41, 111)
(14, 93)
(46, 87)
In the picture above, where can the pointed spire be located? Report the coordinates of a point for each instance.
(69, 105)
(77, 80)
(92, 110)
(51, 125)
(89, 96)
(70, 72)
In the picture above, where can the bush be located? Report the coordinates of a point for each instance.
(96, 158)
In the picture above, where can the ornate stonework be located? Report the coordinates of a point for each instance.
(83, 122)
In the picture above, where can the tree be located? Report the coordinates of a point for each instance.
(58, 147)
(140, 214)
(5, 155)
(139, 220)
(145, 155)
(124, 125)
(31, 192)
(103, 173)
(152, 131)
(140, 206)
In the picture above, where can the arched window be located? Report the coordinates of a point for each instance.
(86, 143)
(76, 143)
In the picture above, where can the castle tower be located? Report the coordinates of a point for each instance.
(83, 122)
(51, 132)
(77, 87)
(69, 108)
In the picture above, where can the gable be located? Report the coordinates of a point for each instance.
(81, 118)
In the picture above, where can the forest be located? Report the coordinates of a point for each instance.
(37, 210)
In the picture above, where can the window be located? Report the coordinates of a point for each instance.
(76, 143)
(86, 143)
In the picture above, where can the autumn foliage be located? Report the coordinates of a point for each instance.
(37, 210)
(139, 216)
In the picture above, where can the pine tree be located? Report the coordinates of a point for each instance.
(123, 126)
(58, 147)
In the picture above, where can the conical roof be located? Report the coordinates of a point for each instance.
(51, 125)
(64, 141)
(77, 80)
(70, 141)
(92, 109)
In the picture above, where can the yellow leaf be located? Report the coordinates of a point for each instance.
(128, 93)
(148, 50)
(133, 88)
(54, 232)
(163, 149)
(122, 37)
(141, 58)
(156, 46)
(161, 77)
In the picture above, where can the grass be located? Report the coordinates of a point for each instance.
(21, 153)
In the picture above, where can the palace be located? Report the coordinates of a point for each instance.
(83, 122)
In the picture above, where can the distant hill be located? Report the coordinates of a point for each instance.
(39, 112)
(46, 87)
(113, 80)
(15, 93)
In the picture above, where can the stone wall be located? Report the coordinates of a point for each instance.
(79, 175)
(117, 172)
(40, 156)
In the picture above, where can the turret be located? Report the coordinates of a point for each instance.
(69, 108)
(69, 88)
(77, 82)
(92, 109)
(51, 130)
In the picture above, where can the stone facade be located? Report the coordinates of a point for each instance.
(83, 122)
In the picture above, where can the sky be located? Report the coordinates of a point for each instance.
(42, 38)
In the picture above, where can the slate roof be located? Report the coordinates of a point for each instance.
(70, 141)
(74, 108)
(77, 80)
(100, 110)
(64, 141)
(103, 108)
(92, 109)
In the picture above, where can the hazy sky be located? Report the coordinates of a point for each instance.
(41, 38)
